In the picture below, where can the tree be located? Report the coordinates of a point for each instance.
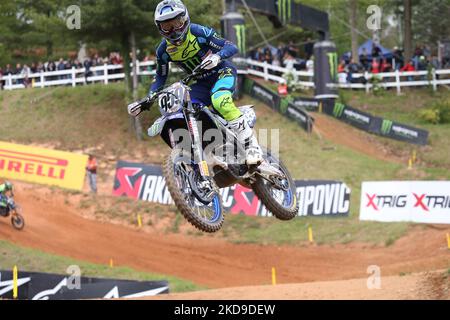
(407, 38)
(354, 34)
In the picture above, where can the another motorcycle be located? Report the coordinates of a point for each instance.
(206, 156)
(13, 210)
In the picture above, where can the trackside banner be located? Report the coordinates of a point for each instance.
(46, 286)
(316, 198)
(284, 105)
(45, 166)
(415, 201)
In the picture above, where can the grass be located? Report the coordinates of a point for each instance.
(95, 116)
(37, 261)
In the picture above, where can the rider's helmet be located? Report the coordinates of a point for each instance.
(172, 20)
(8, 186)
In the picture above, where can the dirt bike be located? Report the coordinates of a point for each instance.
(197, 168)
(12, 209)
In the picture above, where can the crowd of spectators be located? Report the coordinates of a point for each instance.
(286, 55)
(26, 70)
(376, 62)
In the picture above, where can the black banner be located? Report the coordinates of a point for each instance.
(364, 121)
(285, 106)
(402, 132)
(316, 198)
(46, 286)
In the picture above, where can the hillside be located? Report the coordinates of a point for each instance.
(93, 119)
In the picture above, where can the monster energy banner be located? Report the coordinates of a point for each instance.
(376, 125)
(325, 70)
(282, 12)
(285, 106)
(316, 198)
(356, 118)
(309, 104)
(45, 286)
(402, 132)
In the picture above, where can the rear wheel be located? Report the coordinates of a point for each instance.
(279, 195)
(197, 199)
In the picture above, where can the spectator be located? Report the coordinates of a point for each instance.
(25, 72)
(91, 170)
(310, 66)
(292, 49)
(87, 72)
(376, 51)
(375, 66)
(409, 67)
(352, 68)
(341, 66)
(309, 48)
(385, 66)
(364, 59)
(398, 58)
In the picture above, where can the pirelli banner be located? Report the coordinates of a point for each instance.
(316, 198)
(413, 201)
(46, 286)
(284, 105)
(45, 166)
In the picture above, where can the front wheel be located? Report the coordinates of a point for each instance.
(197, 199)
(17, 221)
(279, 196)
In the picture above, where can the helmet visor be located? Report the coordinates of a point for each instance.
(173, 25)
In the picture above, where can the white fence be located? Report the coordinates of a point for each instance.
(394, 79)
(74, 77)
(106, 73)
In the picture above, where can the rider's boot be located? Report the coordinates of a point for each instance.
(245, 135)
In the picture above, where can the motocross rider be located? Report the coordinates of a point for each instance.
(189, 45)
(5, 188)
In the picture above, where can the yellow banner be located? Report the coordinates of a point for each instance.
(51, 167)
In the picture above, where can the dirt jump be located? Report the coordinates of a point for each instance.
(57, 227)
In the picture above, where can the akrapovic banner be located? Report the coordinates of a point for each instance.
(316, 198)
(284, 105)
(415, 201)
(45, 286)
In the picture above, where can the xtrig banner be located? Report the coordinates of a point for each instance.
(416, 201)
(316, 198)
(33, 164)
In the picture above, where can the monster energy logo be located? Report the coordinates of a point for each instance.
(240, 36)
(284, 104)
(191, 64)
(338, 109)
(333, 62)
(386, 127)
(284, 10)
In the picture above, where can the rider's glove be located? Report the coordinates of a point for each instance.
(211, 62)
(135, 108)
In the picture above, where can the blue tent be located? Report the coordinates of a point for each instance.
(385, 53)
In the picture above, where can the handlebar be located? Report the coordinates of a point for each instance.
(145, 103)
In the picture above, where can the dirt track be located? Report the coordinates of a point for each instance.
(433, 285)
(56, 227)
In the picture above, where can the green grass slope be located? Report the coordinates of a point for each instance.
(95, 116)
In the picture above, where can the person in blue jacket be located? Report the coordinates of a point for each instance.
(189, 45)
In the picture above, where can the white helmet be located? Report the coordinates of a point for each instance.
(172, 20)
